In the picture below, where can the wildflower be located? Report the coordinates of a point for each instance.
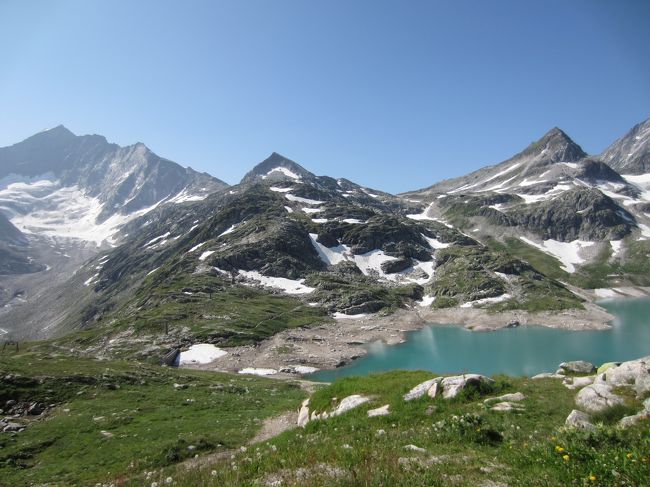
(168, 480)
(565, 458)
(213, 473)
(629, 456)
(559, 449)
(592, 478)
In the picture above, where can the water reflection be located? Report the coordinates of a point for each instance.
(517, 351)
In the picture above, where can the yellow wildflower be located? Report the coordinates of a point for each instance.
(559, 449)
(592, 477)
(566, 458)
(629, 456)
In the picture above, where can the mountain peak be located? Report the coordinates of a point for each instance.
(556, 146)
(277, 167)
(631, 153)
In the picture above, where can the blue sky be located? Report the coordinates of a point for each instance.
(394, 95)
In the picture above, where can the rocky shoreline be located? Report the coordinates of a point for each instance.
(337, 343)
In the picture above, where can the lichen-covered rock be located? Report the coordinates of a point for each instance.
(578, 382)
(628, 372)
(597, 397)
(507, 406)
(628, 421)
(578, 419)
(303, 414)
(578, 367)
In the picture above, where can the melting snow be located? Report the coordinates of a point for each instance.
(351, 220)
(434, 243)
(478, 302)
(319, 220)
(283, 170)
(422, 216)
(289, 286)
(154, 240)
(616, 247)
(606, 293)
(289, 210)
(279, 190)
(206, 254)
(566, 252)
(257, 371)
(427, 300)
(184, 196)
(343, 316)
(311, 210)
(333, 255)
(201, 353)
(307, 201)
(196, 247)
(229, 230)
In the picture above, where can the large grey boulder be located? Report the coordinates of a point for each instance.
(628, 421)
(578, 419)
(578, 382)
(507, 406)
(452, 386)
(597, 397)
(629, 373)
(578, 367)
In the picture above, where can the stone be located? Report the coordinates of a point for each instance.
(628, 421)
(415, 448)
(421, 389)
(35, 409)
(578, 382)
(106, 434)
(180, 386)
(646, 404)
(607, 365)
(382, 411)
(303, 414)
(454, 385)
(642, 385)
(578, 419)
(515, 397)
(628, 373)
(433, 390)
(349, 403)
(547, 375)
(578, 367)
(506, 406)
(596, 398)
(10, 427)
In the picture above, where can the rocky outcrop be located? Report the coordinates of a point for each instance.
(450, 387)
(578, 419)
(597, 397)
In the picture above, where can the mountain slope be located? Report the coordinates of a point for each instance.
(631, 153)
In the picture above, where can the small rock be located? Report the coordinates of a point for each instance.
(452, 386)
(506, 406)
(106, 434)
(628, 421)
(10, 427)
(349, 403)
(180, 386)
(382, 411)
(430, 410)
(433, 390)
(381, 432)
(515, 397)
(578, 367)
(578, 419)
(547, 375)
(415, 448)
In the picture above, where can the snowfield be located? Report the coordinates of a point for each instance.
(568, 253)
(201, 353)
(289, 286)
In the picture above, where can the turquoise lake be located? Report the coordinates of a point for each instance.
(448, 349)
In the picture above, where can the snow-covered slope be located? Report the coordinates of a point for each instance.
(58, 184)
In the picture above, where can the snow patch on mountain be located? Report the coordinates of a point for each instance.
(200, 353)
(289, 286)
(298, 199)
(568, 253)
(282, 170)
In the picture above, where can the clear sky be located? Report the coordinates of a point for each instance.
(395, 95)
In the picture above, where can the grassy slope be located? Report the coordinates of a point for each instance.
(465, 443)
(152, 424)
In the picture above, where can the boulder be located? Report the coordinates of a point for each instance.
(349, 403)
(578, 367)
(303, 414)
(646, 405)
(433, 390)
(515, 397)
(597, 397)
(578, 419)
(382, 411)
(415, 448)
(607, 365)
(9, 427)
(421, 389)
(628, 373)
(642, 385)
(452, 386)
(578, 382)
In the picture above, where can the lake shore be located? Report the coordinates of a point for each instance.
(343, 340)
